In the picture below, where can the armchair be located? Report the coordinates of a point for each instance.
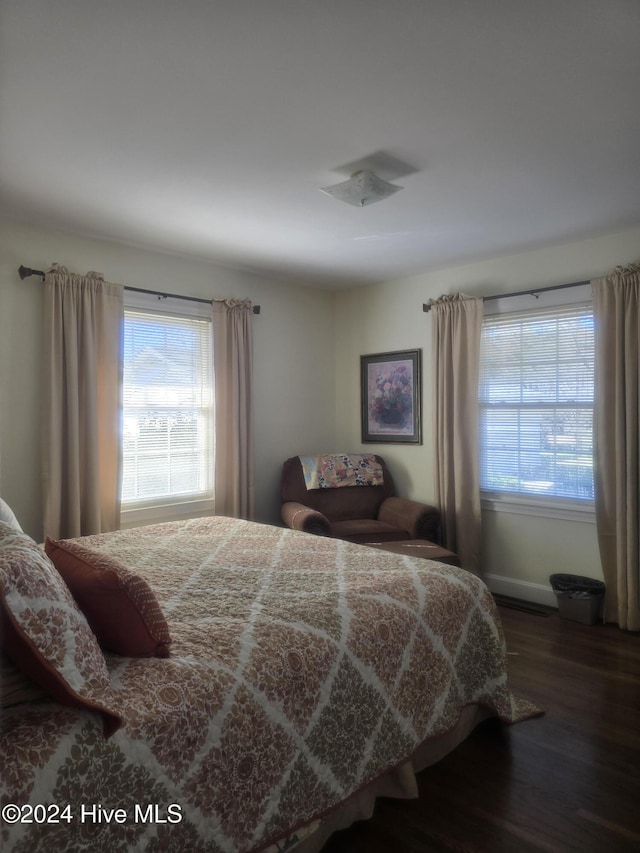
(357, 513)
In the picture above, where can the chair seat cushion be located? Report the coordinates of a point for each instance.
(367, 530)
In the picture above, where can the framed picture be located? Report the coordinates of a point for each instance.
(390, 385)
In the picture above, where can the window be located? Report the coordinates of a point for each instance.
(167, 409)
(536, 404)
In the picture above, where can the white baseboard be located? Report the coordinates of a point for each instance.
(536, 593)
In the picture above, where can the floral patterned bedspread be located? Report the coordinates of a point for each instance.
(301, 668)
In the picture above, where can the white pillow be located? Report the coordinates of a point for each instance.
(6, 515)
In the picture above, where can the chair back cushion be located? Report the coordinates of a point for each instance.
(341, 504)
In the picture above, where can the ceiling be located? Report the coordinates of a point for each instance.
(207, 127)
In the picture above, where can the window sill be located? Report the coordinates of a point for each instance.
(136, 516)
(544, 508)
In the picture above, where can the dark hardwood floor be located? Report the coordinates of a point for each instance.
(567, 781)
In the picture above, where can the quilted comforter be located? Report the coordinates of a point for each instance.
(301, 669)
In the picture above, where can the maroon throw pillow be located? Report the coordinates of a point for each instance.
(120, 606)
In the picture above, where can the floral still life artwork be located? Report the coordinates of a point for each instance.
(390, 386)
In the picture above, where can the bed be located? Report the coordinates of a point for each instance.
(291, 679)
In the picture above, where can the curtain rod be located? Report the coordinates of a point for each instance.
(534, 292)
(25, 272)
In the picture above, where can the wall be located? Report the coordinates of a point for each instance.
(294, 354)
(519, 552)
(308, 344)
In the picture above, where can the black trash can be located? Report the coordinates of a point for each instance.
(579, 599)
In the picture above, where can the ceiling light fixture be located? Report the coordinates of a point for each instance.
(363, 187)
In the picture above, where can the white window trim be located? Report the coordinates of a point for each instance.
(135, 514)
(567, 510)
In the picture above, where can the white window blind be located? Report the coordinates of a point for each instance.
(167, 408)
(536, 403)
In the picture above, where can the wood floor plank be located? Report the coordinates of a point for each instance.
(567, 781)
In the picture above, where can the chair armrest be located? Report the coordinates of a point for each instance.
(301, 517)
(421, 521)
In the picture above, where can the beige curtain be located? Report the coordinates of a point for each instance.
(83, 319)
(616, 309)
(456, 330)
(233, 370)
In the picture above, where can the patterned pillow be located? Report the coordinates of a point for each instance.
(44, 632)
(120, 606)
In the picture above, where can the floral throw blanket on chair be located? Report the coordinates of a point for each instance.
(331, 470)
